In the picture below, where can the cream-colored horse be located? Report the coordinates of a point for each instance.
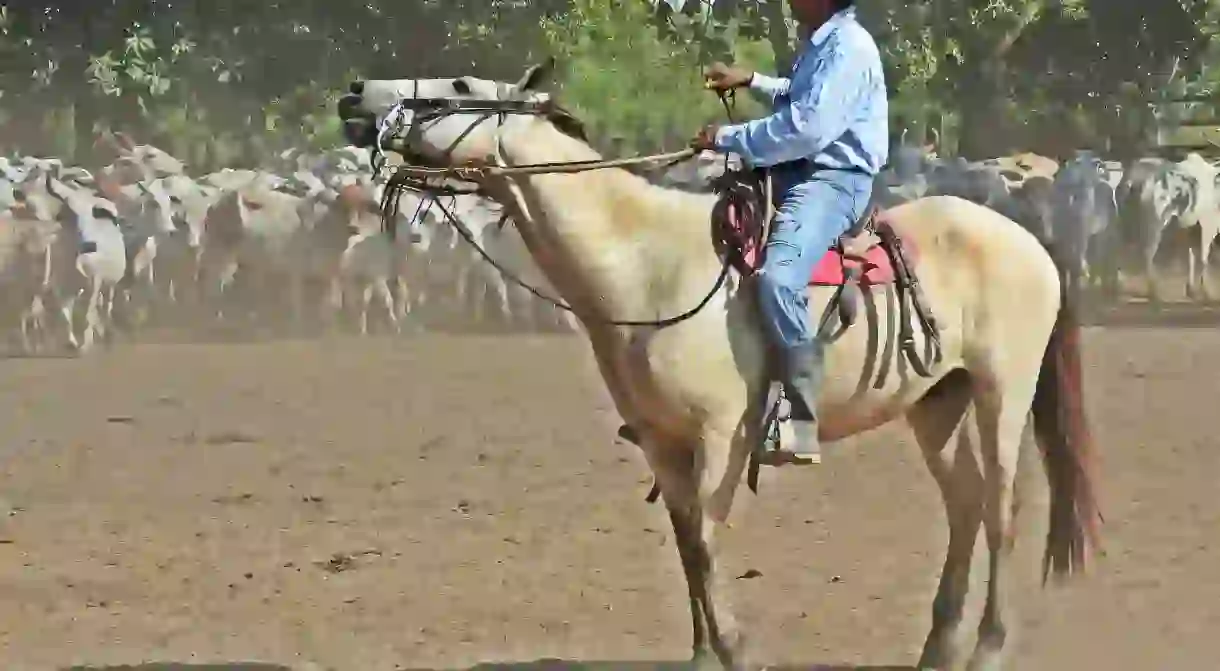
(619, 248)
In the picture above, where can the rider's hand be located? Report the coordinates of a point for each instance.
(721, 77)
(705, 140)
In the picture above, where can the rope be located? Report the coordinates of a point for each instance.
(472, 173)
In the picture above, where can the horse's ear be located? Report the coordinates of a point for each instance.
(537, 75)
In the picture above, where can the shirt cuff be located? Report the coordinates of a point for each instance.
(769, 85)
(722, 136)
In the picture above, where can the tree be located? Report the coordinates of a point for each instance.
(210, 71)
(637, 90)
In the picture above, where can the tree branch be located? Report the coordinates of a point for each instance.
(1031, 14)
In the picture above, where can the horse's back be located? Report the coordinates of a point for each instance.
(965, 237)
(978, 267)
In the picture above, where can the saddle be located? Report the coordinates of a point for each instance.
(871, 253)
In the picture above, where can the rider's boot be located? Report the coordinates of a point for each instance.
(802, 381)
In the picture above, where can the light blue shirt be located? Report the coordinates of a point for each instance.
(832, 109)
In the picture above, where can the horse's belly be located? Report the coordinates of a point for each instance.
(869, 381)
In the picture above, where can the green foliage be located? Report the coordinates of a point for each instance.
(629, 84)
(228, 81)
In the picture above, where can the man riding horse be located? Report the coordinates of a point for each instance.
(825, 142)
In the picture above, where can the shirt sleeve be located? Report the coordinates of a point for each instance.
(806, 125)
(770, 88)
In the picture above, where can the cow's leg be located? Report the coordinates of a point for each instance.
(1108, 250)
(366, 297)
(500, 286)
(402, 299)
(33, 326)
(296, 293)
(1192, 269)
(333, 305)
(1207, 234)
(381, 287)
(91, 315)
(1152, 241)
(67, 309)
(108, 313)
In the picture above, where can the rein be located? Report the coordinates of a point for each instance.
(426, 179)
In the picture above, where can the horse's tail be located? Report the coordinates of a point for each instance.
(1062, 431)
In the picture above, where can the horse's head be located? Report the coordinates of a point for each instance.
(446, 121)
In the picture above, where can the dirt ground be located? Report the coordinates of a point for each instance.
(442, 501)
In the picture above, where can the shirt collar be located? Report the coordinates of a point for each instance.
(832, 24)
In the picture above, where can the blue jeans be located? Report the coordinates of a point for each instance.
(813, 208)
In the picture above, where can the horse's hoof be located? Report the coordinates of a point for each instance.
(733, 657)
(938, 659)
(702, 658)
(989, 660)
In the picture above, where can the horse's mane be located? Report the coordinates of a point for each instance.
(568, 124)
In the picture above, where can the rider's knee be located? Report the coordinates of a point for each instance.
(780, 280)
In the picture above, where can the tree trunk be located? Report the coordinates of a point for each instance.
(985, 131)
(778, 35)
(84, 108)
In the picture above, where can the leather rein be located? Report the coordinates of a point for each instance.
(435, 180)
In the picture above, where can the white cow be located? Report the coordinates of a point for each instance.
(1157, 196)
(1206, 215)
(91, 238)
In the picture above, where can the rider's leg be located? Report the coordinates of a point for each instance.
(811, 215)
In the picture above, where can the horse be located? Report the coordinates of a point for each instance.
(688, 372)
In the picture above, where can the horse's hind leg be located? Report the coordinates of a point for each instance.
(1002, 410)
(934, 421)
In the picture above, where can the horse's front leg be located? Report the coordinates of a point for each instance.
(698, 483)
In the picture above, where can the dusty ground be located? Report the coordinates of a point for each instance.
(443, 501)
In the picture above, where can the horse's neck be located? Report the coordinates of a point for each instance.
(606, 239)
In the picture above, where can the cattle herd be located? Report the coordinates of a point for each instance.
(298, 246)
(1106, 220)
(294, 248)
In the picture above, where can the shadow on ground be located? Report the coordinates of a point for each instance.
(1145, 315)
(171, 666)
(572, 665)
(537, 665)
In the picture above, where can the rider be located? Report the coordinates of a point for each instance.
(825, 141)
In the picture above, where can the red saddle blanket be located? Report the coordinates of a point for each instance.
(743, 239)
(877, 267)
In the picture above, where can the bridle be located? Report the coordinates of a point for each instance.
(433, 179)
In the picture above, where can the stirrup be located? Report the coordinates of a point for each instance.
(781, 433)
(782, 457)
